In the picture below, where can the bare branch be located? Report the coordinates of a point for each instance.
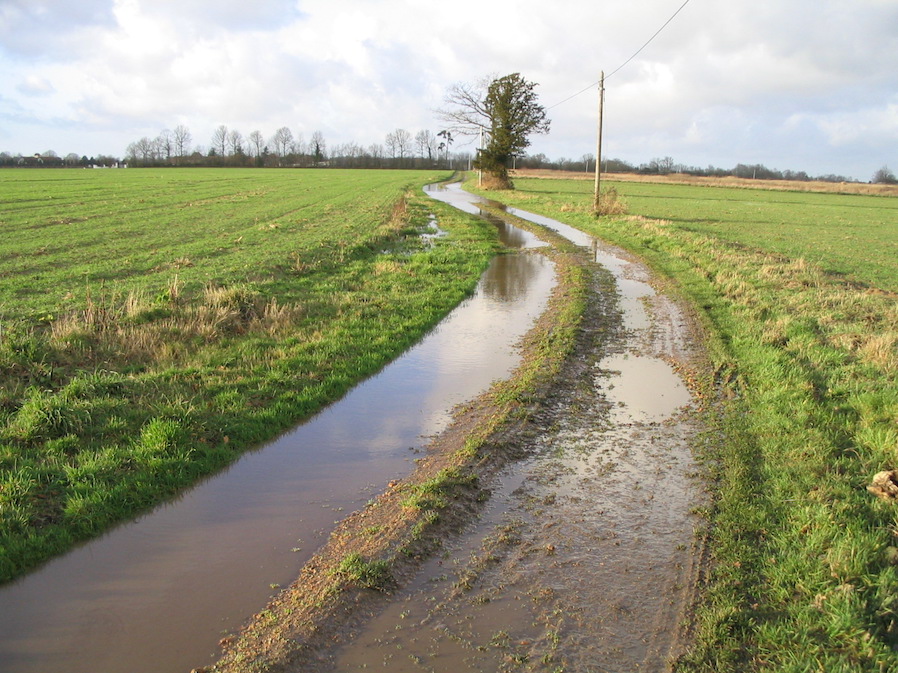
(469, 113)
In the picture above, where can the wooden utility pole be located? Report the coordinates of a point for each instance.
(479, 164)
(599, 142)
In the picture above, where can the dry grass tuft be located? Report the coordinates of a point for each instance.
(400, 212)
(494, 183)
(159, 330)
(610, 203)
(881, 350)
(389, 266)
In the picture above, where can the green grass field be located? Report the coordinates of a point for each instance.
(799, 293)
(850, 234)
(156, 323)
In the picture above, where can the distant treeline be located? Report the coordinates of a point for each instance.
(52, 160)
(401, 150)
(668, 166)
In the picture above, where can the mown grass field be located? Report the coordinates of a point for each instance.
(156, 323)
(799, 293)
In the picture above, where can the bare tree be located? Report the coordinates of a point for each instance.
(425, 144)
(181, 138)
(399, 144)
(142, 150)
(885, 176)
(317, 147)
(299, 145)
(165, 144)
(220, 140)
(587, 159)
(281, 141)
(405, 144)
(503, 108)
(256, 143)
(376, 152)
(391, 142)
(353, 153)
(235, 142)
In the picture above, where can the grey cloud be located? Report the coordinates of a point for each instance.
(35, 86)
(231, 15)
(44, 27)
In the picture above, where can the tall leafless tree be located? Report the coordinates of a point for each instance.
(299, 145)
(317, 147)
(281, 141)
(235, 142)
(220, 140)
(181, 138)
(399, 144)
(256, 143)
(166, 144)
(425, 144)
(506, 110)
(376, 151)
(142, 150)
(885, 176)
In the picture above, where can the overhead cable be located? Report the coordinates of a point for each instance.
(635, 54)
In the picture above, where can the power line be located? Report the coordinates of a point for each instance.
(649, 40)
(635, 54)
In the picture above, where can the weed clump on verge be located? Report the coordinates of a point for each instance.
(610, 202)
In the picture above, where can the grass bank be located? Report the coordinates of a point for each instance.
(155, 324)
(799, 291)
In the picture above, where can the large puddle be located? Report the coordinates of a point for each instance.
(156, 595)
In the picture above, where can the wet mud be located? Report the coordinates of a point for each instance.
(588, 554)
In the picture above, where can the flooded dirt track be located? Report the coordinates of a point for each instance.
(586, 558)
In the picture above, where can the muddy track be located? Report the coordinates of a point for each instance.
(577, 549)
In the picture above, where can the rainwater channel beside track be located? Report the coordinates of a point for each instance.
(157, 594)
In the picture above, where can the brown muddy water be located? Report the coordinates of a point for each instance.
(587, 556)
(157, 594)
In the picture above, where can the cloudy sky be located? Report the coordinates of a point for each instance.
(799, 84)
